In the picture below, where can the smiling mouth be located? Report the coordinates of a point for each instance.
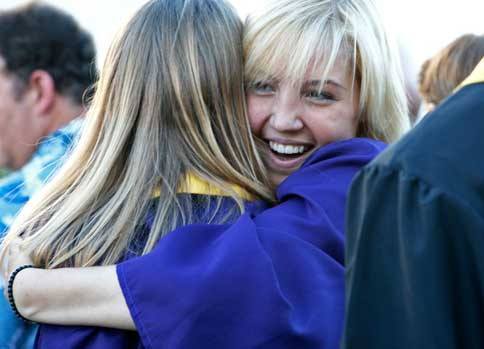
(288, 151)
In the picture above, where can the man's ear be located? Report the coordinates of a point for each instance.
(42, 89)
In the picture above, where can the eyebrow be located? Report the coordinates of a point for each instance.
(254, 82)
(313, 83)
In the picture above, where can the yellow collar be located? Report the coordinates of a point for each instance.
(476, 76)
(196, 185)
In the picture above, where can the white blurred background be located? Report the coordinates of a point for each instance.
(422, 26)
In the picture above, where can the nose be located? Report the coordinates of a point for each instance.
(286, 113)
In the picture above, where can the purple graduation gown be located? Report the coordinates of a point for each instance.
(270, 280)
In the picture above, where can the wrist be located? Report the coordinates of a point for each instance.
(22, 293)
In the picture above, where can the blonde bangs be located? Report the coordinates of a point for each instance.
(288, 43)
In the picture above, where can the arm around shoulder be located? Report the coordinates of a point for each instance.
(72, 296)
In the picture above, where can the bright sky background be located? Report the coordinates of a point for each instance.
(423, 26)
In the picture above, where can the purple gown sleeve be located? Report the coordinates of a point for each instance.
(274, 280)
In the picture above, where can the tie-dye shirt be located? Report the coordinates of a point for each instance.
(16, 189)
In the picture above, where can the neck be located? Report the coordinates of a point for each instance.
(63, 112)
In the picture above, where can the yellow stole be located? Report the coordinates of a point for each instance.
(476, 76)
(193, 184)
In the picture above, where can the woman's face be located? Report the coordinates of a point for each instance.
(293, 122)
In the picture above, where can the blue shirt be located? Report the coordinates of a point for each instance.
(15, 190)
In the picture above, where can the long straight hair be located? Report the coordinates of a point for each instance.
(170, 102)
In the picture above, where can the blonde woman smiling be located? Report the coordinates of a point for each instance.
(323, 89)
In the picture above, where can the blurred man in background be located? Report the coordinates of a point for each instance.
(47, 62)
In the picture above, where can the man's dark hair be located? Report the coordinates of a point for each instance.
(39, 36)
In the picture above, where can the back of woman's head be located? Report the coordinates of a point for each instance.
(178, 66)
(442, 73)
(293, 38)
(169, 102)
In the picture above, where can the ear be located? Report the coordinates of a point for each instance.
(42, 89)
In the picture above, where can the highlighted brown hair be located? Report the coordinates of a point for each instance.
(442, 73)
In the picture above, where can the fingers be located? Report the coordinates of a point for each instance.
(4, 254)
(13, 256)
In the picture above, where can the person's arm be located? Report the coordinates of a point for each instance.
(278, 276)
(72, 296)
(204, 278)
(66, 296)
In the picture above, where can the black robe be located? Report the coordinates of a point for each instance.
(415, 236)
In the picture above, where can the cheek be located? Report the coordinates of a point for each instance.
(332, 125)
(258, 113)
(6, 117)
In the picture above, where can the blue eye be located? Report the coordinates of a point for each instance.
(263, 88)
(319, 96)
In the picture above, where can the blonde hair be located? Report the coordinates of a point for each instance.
(442, 73)
(291, 37)
(170, 101)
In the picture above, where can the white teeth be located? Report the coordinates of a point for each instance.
(286, 149)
